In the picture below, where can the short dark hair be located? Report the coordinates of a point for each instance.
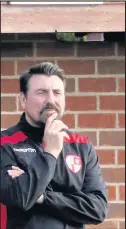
(45, 68)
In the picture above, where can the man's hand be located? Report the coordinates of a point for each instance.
(54, 134)
(40, 199)
(15, 171)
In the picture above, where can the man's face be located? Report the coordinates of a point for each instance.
(45, 95)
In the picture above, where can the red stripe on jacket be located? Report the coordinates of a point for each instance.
(14, 138)
(76, 138)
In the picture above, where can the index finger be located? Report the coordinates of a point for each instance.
(17, 168)
(50, 119)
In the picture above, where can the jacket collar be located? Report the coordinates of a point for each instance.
(35, 133)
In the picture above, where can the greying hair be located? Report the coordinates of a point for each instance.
(45, 68)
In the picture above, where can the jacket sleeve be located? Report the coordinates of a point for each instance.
(23, 191)
(88, 206)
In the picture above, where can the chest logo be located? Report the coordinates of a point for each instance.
(28, 150)
(74, 163)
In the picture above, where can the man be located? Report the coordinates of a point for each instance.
(50, 177)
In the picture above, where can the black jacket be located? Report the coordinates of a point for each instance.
(74, 190)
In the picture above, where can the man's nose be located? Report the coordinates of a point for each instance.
(50, 98)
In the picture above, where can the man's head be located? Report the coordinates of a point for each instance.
(42, 91)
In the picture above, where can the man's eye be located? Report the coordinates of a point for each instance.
(41, 92)
(57, 92)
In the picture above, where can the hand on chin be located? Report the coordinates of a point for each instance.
(46, 114)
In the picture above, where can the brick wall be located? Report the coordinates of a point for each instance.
(94, 100)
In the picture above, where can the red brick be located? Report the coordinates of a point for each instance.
(104, 225)
(122, 192)
(106, 156)
(112, 102)
(70, 85)
(24, 65)
(113, 175)
(121, 84)
(97, 120)
(111, 66)
(111, 193)
(9, 86)
(91, 135)
(121, 118)
(112, 138)
(121, 157)
(9, 120)
(55, 49)
(80, 103)
(96, 49)
(69, 120)
(7, 67)
(122, 225)
(78, 66)
(16, 49)
(121, 49)
(116, 210)
(8, 103)
(97, 85)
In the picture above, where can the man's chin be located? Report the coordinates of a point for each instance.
(45, 116)
(43, 120)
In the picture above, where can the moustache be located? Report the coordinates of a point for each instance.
(49, 106)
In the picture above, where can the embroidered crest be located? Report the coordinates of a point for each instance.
(74, 163)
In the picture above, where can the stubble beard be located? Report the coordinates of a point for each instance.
(44, 117)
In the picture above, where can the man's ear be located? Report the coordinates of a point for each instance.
(22, 98)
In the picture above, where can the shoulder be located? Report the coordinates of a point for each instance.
(9, 131)
(81, 144)
(12, 135)
(76, 138)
